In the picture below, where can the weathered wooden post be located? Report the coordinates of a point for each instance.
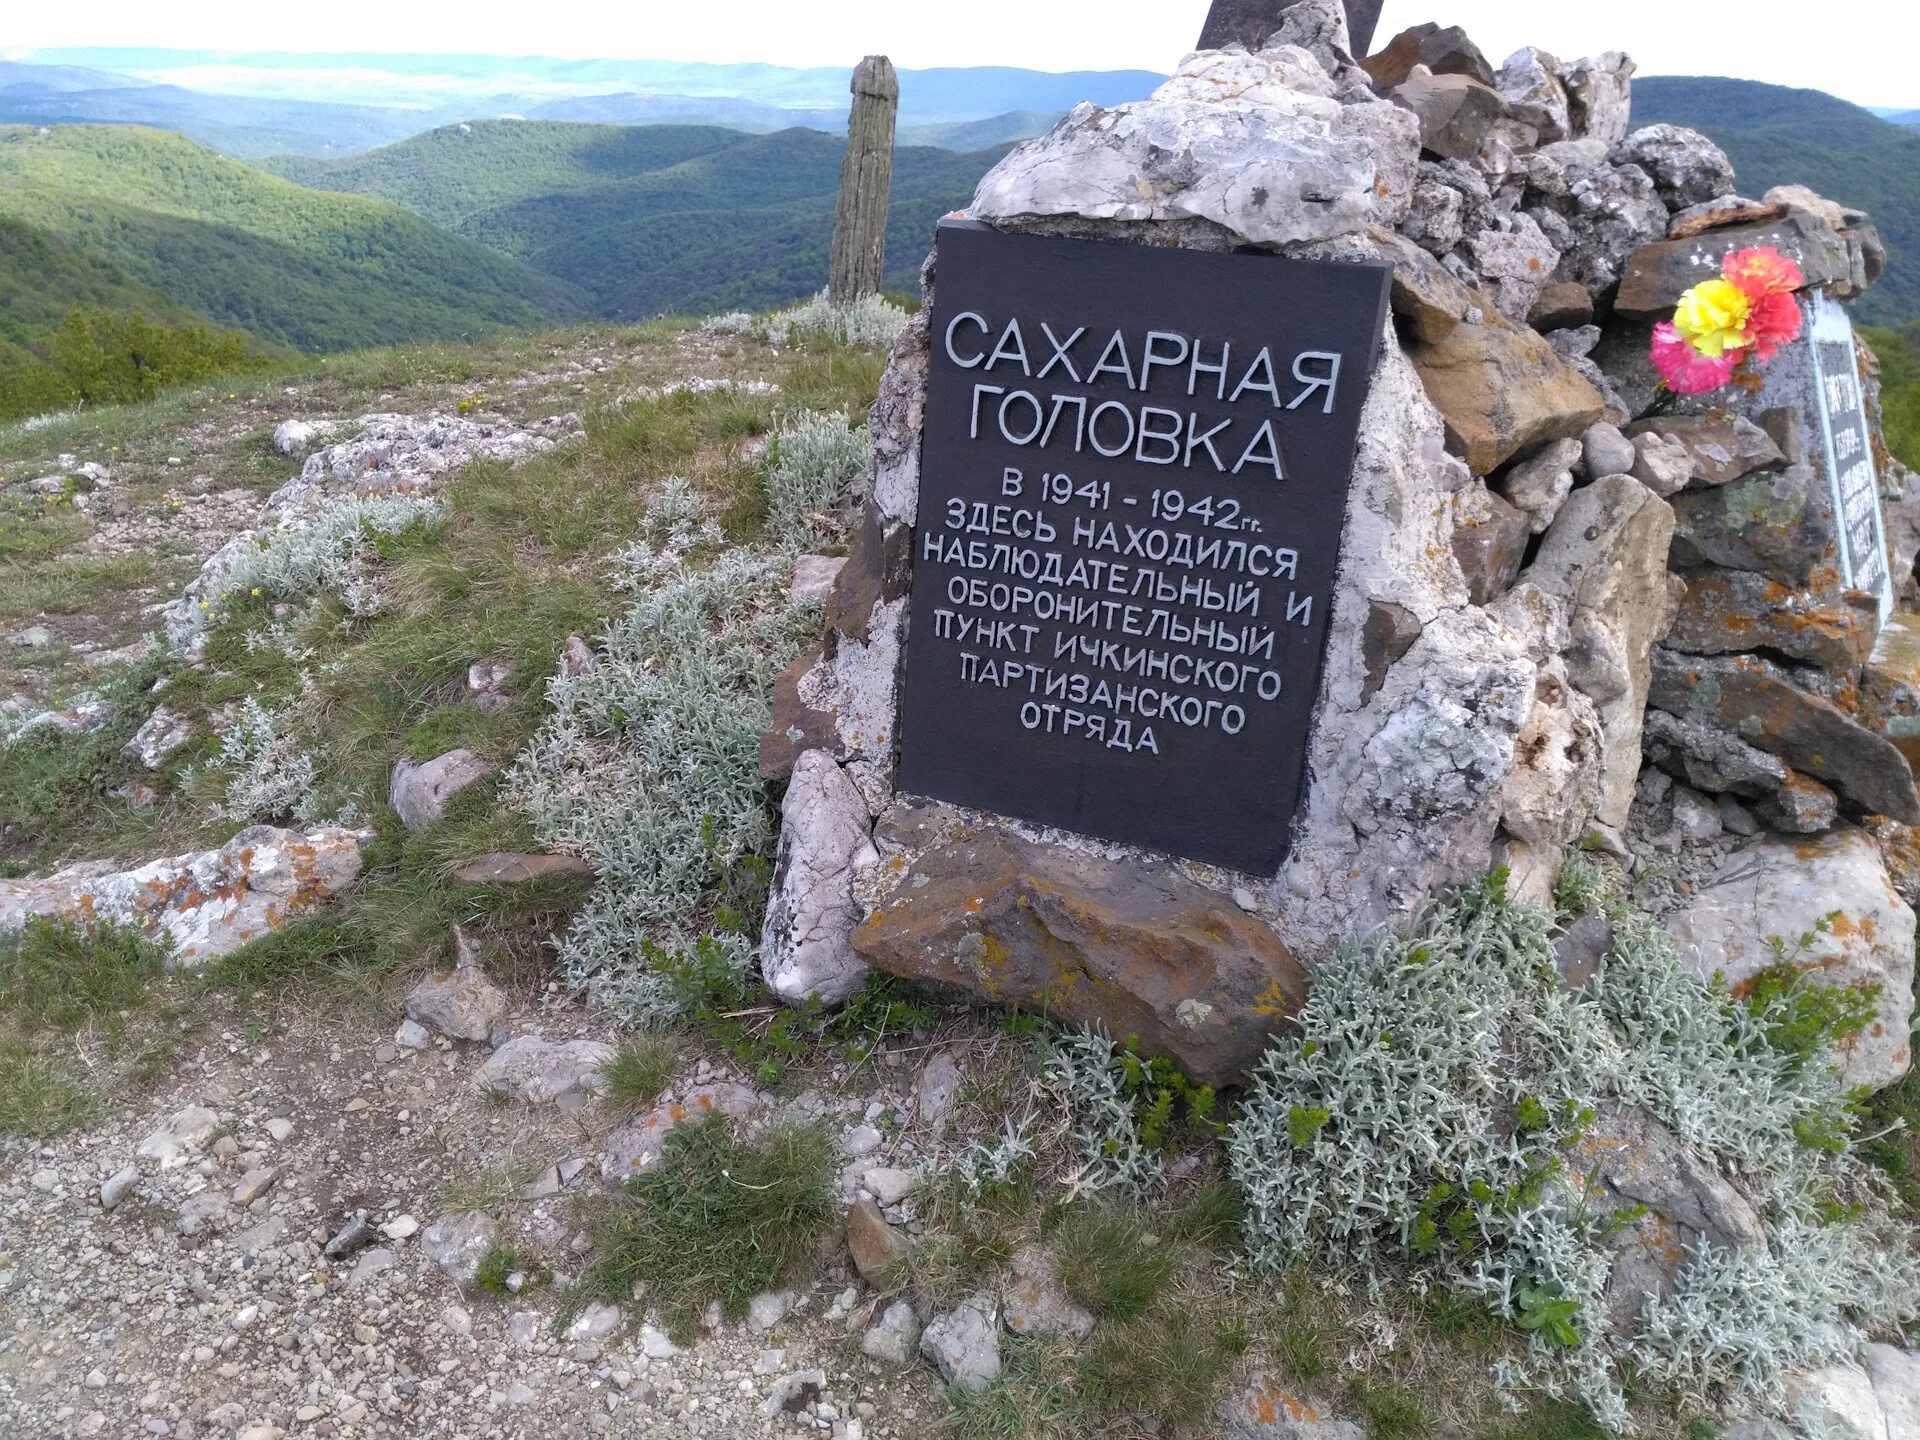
(1250, 22)
(860, 221)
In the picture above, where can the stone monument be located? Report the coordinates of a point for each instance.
(1206, 612)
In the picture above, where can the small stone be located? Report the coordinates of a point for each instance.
(1541, 483)
(1606, 451)
(1035, 1302)
(794, 1394)
(813, 576)
(877, 1248)
(1735, 817)
(964, 1344)
(280, 1128)
(861, 1140)
(244, 1317)
(386, 1053)
(401, 1227)
(890, 1186)
(934, 1092)
(1563, 305)
(1694, 816)
(655, 1344)
(458, 1243)
(117, 1186)
(1489, 542)
(352, 1237)
(411, 1035)
(253, 1185)
(540, 1071)
(895, 1338)
(1661, 464)
(509, 868)
(185, 1134)
(596, 1322)
(768, 1309)
(1455, 111)
(462, 1004)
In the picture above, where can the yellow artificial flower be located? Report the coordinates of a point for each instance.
(1713, 317)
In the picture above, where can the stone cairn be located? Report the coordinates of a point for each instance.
(1572, 611)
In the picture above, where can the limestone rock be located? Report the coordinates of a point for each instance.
(296, 437)
(1709, 758)
(1604, 450)
(1500, 390)
(1529, 81)
(1721, 448)
(1541, 483)
(205, 904)
(1719, 214)
(1232, 140)
(1760, 702)
(813, 576)
(1836, 1402)
(1443, 51)
(1657, 274)
(964, 1344)
(1455, 111)
(1687, 168)
(1596, 213)
(1661, 464)
(461, 1003)
(1515, 261)
(877, 1248)
(1554, 786)
(458, 1243)
(824, 840)
(1605, 556)
(538, 1070)
(184, 1135)
(1800, 806)
(1727, 611)
(162, 733)
(1895, 1374)
(421, 790)
(1782, 889)
(1089, 939)
(1033, 1301)
(894, 1339)
(1268, 1410)
(1599, 96)
(1489, 541)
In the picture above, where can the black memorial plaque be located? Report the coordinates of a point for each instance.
(1133, 484)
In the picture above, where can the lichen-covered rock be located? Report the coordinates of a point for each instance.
(1599, 96)
(1514, 262)
(1708, 758)
(1424, 294)
(1759, 701)
(1501, 390)
(1721, 447)
(636, 1147)
(1252, 144)
(421, 790)
(964, 1344)
(1784, 890)
(1658, 274)
(1541, 483)
(1529, 81)
(1728, 611)
(1489, 541)
(1605, 557)
(824, 840)
(1135, 947)
(1596, 213)
(1034, 1301)
(204, 904)
(458, 1243)
(1269, 1410)
(1687, 168)
(1777, 523)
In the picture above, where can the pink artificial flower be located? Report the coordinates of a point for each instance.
(1685, 369)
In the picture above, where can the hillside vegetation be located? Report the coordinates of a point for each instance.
(1781, 136)
(248, 250)
(653, 219)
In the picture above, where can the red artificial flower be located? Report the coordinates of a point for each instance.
(1685, 369)
(1761, 270)
(1773, 321)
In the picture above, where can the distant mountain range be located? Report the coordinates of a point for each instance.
(257, 105)
(645, 219)
(1779, 136)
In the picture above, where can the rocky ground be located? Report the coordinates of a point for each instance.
(274, 1242)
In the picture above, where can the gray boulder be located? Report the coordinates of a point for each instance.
(421, 790)
(460, 1003)
(964, 1344)
(458, 1243)
(539, 1071)
(895, 1338)
(1687, 168)
(1252, 146)
(825, 841)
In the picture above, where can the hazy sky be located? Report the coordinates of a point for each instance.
(1858, 56)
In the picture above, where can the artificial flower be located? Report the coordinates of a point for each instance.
(1712, 316)
(1773, 321)
(1685, 369)
(1761, 270)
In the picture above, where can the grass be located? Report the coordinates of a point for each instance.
(722, 1218)
(72, 584)
(82, 1015)
(643, 1065)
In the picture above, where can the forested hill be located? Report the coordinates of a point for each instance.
(144, 211)
(653, 218)
(1780, 136)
